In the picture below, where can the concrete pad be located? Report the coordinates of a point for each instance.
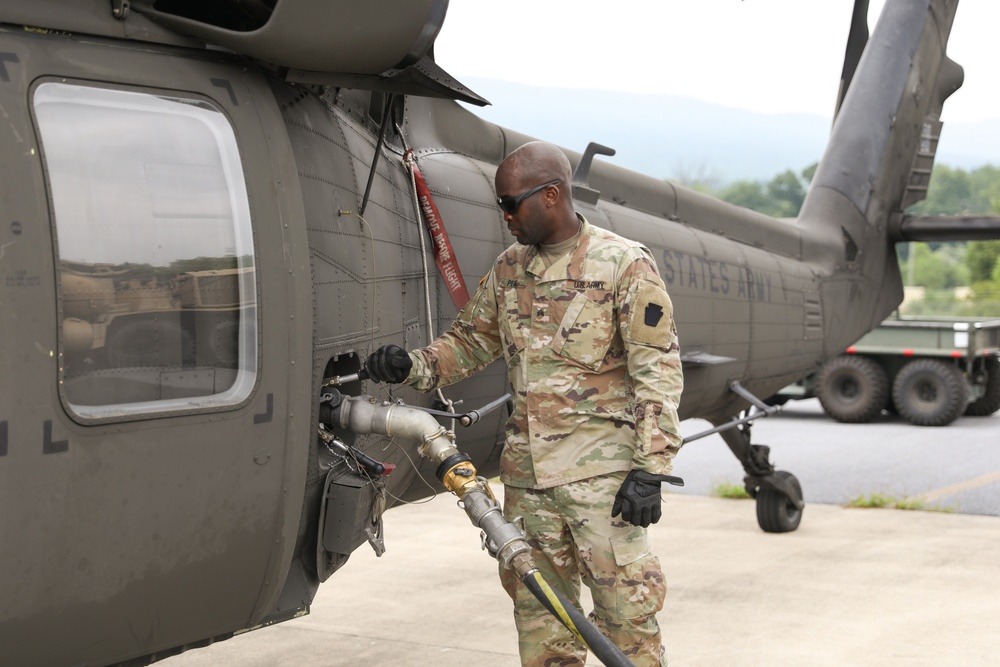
(850, 587)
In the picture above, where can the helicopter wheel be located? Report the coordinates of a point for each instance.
(776, 512)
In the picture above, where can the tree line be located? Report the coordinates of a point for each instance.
(939, 268)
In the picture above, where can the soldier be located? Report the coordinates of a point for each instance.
(586, 327)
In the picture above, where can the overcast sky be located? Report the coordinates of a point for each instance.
(771, 56)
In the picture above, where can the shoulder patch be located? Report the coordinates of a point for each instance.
(650, 317)
(654, 312)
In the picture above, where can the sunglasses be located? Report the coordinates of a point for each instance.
(509, 205)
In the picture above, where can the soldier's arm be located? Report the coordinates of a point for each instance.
(646, 322)
(471, 344)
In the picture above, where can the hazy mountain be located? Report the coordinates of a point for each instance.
(666, 136)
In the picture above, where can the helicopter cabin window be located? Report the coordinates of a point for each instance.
(155, 258)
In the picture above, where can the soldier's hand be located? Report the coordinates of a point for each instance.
(638, 499)
(389, 363)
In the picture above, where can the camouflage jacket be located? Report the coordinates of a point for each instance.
(592, 356)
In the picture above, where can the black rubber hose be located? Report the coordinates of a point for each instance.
(575, 621)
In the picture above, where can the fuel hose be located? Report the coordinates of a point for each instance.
(503, 539)
(575, 621)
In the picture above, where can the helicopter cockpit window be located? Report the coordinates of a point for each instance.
(155, 252)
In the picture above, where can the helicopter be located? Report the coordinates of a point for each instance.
(215, 211)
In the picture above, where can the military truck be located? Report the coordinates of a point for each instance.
(927, 370)
(119, 317)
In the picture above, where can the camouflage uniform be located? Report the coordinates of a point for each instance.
(592, 356)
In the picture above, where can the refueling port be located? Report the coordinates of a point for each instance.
(354, 496)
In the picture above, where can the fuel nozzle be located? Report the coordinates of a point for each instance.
(455, 469)
(328, 405)
(504, 540)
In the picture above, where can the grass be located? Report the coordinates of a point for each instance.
(884, 500)
(730, 490)
(870, 501)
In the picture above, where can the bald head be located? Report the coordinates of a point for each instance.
(538, 176)
(539, 161)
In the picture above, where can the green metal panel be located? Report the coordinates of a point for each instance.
(931, 338)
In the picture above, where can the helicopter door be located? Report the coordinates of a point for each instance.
(165, 491)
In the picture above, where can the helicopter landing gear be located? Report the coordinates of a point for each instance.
(777, 492)
(776, 512)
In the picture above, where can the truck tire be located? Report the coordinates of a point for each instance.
(989, 402)
(852, 389)
(930, 392)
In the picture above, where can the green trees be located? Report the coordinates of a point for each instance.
(780, 197)
(975, 264)
(983, 259)
(938, 268)
(960, 192)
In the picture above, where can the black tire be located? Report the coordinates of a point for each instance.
(776, 512)
(852, 389)
(930, 392)
(989, 402)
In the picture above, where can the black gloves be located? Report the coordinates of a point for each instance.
(389, 363)
(638, 499)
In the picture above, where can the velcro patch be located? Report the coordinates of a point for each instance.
(648, 325)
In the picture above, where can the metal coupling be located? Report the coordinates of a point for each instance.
(362, 414)
(503, 539)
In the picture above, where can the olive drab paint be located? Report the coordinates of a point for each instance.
(206, 216)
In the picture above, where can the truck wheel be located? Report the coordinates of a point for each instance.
(989, 402)
(930, 392)
(776, 513)
(852, 389)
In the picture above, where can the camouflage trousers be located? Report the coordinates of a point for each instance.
(573, 537)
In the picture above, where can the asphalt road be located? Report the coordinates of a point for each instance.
(954, 467)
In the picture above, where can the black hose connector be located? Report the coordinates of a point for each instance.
(329, 402)
(575, 621)
(451, 462)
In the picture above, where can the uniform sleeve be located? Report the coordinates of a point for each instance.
(646, 322)
(471, 344)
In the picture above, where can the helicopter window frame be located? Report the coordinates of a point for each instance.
(200, 288)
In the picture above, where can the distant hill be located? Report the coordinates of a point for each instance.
(667, 136)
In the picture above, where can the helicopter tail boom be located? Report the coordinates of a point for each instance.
(878, 162)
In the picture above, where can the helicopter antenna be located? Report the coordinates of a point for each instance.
(378, 151)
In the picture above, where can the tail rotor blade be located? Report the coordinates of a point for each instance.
(857, 38)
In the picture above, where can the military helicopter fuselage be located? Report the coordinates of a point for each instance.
(208, 215)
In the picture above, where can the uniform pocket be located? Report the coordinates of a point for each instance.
(585, 331)
(640, 586)
(511, 332)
